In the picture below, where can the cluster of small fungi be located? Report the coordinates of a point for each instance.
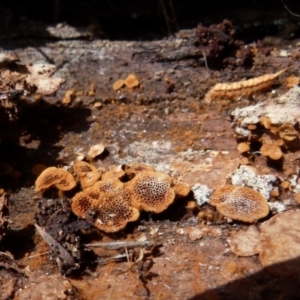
(111, 199)
(273, 124)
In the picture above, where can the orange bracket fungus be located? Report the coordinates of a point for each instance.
(109, 204)
(240, 203)
(57, 177)
(86, 172)
(151, 191)
(114, 211)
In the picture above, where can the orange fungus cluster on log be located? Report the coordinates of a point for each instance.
(110, 203)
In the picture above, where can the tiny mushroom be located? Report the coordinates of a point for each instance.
(96, 150)
(243, 147)
(287, 132)
(87, 173)
(181, 189)
(266, 122)
(118, 84)
(57, 177)
(136, 167)
(131, 81)
(115, 172)
(151, 191)
(271, 150)
(240, 203)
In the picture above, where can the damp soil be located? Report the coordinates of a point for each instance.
(164, 122)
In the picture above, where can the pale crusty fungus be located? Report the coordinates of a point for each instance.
(240, 203)
(271, 150)
(81, 204)
(245, 242)
(280, 247)
(86, 172)
(135, 168)
(151, 191)
(243, 147)
(131, 81)
(57, 177)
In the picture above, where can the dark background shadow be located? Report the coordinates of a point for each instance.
(281, 281)
(144, 20)
(40, 125)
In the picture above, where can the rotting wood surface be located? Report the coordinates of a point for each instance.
(156, 123)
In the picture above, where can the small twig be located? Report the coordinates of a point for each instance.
(118, 245)
(205, 60)
(55, 246)
(40, 254)
(127, 254)
(116, 257)
(141, 255)
(166, 16)
(173, 15)
(293, 14)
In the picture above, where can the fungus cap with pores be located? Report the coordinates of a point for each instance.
(57, 177)
(240, 203)
(110, 204)
(151, 191)
(81, 204)
(87, 173)
(115, 211)
(104, 187)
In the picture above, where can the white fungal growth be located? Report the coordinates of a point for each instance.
(202, 193)
(246, 176)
